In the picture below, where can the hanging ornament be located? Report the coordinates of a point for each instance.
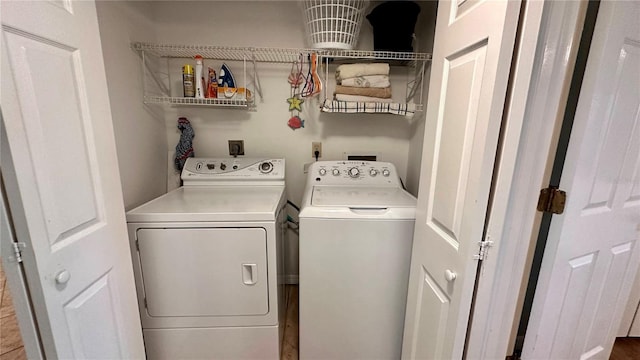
(295, 103)
(295, 79)
(295, 122)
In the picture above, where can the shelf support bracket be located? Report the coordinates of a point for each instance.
(256, 77)
(147, 70)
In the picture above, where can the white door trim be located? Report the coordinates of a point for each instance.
(533, 118)
(15, 275)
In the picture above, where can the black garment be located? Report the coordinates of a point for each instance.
(393, 25)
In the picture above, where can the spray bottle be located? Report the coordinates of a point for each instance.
(187, 81)
(199, 78)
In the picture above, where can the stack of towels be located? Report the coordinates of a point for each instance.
(363, 83)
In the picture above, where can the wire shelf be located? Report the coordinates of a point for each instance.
(374, 55)
(189, 101)
(273, 55)
(414, 60)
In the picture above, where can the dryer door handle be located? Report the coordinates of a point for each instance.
(249, 274)
(369, 211)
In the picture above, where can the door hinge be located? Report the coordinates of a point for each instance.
(484, 249)
(552, 200)
(145, 303)
(17, 251)
(137, 245)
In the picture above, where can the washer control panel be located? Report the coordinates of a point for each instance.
(220, 169)
(352, 172)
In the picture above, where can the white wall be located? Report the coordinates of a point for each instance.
(425, 30)
(140, 132)
(278, 24)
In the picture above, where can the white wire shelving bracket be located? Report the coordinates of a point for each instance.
(253, 55)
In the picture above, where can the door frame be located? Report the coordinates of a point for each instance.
(531, 123)
(15, 272)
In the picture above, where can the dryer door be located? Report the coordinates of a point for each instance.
(204, 271)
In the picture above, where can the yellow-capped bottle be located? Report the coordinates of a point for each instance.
(188, 81)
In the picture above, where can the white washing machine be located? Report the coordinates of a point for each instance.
(207, 259)
(356, 233)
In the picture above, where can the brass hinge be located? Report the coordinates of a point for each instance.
(552, 200)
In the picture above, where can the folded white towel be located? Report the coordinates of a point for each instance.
(352, 70)
(360, 98)
(373, 81)
(368, 107)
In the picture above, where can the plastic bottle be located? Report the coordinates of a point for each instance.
(187, 81)
(199, 78)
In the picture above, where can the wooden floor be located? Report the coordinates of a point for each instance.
(626, 348)
(290, 341)
(11, 347)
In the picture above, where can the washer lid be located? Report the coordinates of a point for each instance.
(212, 203)
(362, 197)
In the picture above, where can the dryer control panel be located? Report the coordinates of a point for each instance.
(351, 172)
(205, 170)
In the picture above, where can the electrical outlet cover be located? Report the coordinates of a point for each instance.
(316, 146)
(236, 147)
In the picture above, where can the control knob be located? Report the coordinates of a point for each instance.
(266, 167)
(354, 172)
(373, 172)
(335, 172)
(322, 171)
(386, 172)
(223, 166)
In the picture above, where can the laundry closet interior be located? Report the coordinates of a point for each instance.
(147, 45)
(146, 134)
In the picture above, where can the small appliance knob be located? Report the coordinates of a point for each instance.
(335, 172)
(223, 166)
(373, 172)
(322, 171)
(386, 172)
(354, 172)
(266, 167)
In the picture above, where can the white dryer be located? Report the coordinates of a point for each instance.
(206, 258)
(356, 233)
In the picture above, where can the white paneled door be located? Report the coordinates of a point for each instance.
(61, 175)
(593, 251)
(474, 42)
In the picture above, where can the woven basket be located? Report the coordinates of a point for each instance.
(333, 24)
